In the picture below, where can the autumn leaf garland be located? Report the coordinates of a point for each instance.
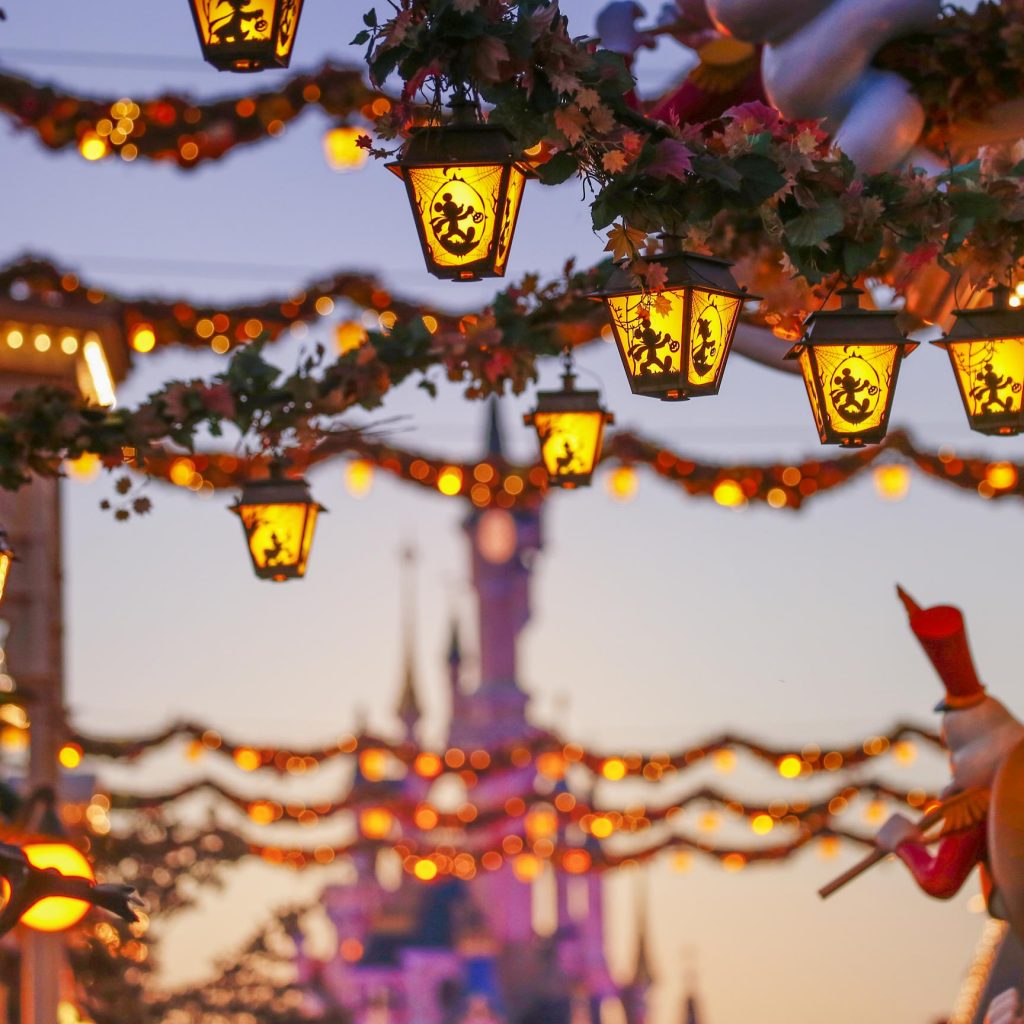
(739, 183)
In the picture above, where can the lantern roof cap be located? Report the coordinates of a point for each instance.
(458, 144)
(852, 324)
(997, 320)
(685, 270)
(276, 490)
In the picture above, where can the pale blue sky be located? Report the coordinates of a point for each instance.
(661, 621)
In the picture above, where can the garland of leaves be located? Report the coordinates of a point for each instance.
(810, 758)
(177, 128)
(179, 321)
(487, 482)
(567, 809)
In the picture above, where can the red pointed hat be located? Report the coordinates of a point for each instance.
(940, 631)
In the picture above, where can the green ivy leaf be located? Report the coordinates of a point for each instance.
(561, 167)
(812, 227)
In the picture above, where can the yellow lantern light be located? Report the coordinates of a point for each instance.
(570, 427)
(376, 822)
(465, 184)
(55, 913)
(341, 150)
(6, 557)
(674, 342)
(246, 35)
(986, 351)
(279, 519)
(850, 358)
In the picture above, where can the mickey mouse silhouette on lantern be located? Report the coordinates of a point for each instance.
(980, 818)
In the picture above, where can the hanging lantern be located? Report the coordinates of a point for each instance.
(279, 518)
(246, 35)
(674, 341)
(55, 913)
(850, 358)
(465, 184)
(986, 351)
(570, 427)
(6, 557)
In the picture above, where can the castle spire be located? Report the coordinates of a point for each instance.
(454, 656)
(642, 975)
(409, 712)
(691, 1012)
(495, 442)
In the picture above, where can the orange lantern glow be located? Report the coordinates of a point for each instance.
(465, 184)
(279, 519)
(674, 341)
(246, 35)
(986, 351)
(55, 913)
(850, 358)
(570, 427)
(6, 557)
(341, 150)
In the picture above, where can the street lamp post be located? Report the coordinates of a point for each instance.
(83, 350)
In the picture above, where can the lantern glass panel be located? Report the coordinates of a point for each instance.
(516, 184)
(569, 443)
(5, 568)
(856, 384)
(810, 375)
(648, 328)
(712, 324)
(279, 537)
(990, 374)
(457, 210)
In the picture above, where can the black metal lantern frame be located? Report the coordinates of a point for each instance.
(986, 352)
(836, 342)
(642, 348)
(241, 45)
(576, 419)
(464, 180)
(287, 505)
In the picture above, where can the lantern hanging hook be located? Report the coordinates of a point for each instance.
(568, 369)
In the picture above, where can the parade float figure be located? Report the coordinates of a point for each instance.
(981, 817)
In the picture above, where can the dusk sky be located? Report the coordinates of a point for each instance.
(656, 622)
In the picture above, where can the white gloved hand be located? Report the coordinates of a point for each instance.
(896, 831)
(616, 27)
(1004, 1009)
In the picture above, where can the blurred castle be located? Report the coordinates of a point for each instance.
(465, 950)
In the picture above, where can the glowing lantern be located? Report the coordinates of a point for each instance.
(279, 518)
(850, 358)
(6, 557)
(986, 351)
(465, 185)
(674, 342)
(246, 35)
(55, 913)
(341, 150)
(570, 427)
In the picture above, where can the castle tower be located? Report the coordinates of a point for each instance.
(408, 710)
(503, 544)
